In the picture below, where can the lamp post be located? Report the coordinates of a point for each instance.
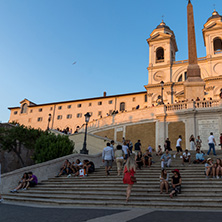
(84, 150)
(162, 84)
(49, 119)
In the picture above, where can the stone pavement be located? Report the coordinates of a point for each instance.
(36, 213)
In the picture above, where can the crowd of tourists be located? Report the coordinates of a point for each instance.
(129, 158)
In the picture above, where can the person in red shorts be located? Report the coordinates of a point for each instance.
(128, 178)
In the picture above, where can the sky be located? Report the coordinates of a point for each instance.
(106, 39)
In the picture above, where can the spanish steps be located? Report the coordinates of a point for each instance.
(97, 189)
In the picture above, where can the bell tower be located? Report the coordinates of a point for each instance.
(212, 34)
(162, 52)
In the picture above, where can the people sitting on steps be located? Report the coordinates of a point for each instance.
(65, 169)
(217, 169)
(165, 159)
(164, 181)
(186, 157)
(22, 183)
(139, 160)
(147, 158)
(176, 182)
(31, 181)
(199, 157)
(159, 151)
(88, 166)
(209, 168)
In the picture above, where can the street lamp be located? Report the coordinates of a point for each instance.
(84, 150)
(49, 119)
(162, 84)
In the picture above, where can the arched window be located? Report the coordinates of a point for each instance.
(122, 106)
(160, 55)
(180, 79)
(217, 45)
(24, 108)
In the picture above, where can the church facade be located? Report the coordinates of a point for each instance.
(164, 106)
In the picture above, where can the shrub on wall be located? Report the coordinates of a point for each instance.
(49, 146)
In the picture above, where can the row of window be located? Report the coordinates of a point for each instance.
(122, 106)
(69, 116)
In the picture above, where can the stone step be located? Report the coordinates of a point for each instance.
(116, 193)
(144, 186)
(108, 197)
(169, 203)
(139, 182)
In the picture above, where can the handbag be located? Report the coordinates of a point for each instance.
(133, 179)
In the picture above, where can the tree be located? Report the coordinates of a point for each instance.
(50, 146)
(12, 139)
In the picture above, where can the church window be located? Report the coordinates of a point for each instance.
(60, 107)
(110, 101)
(160, 55)
(99, 103)
(122, 106)
(134, 99)
(79, 105)
(15, 113)
(24, 108)
(180, 79)
(31, 111)
(40, 109)
(217, 45)
(51, 108)
(100, 113)
(90, 104)
(69, 106)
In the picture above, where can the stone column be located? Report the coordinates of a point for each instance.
(194, 86)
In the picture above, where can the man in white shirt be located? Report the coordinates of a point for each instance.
(186, 157)
(108, 157)
(125, 150)
(179, 147)
(211, 143)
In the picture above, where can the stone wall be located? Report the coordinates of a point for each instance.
(174, 130)
(106, 133)
(44, 171)
(145, 132)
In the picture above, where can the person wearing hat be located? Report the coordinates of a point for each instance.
(209, 167)
(175, 183)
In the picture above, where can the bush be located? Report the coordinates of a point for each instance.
(49, 146)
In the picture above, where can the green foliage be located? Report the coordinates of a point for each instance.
(49, 146)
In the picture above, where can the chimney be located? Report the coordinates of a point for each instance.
(104, 94)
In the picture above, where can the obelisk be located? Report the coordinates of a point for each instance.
(194, 85)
